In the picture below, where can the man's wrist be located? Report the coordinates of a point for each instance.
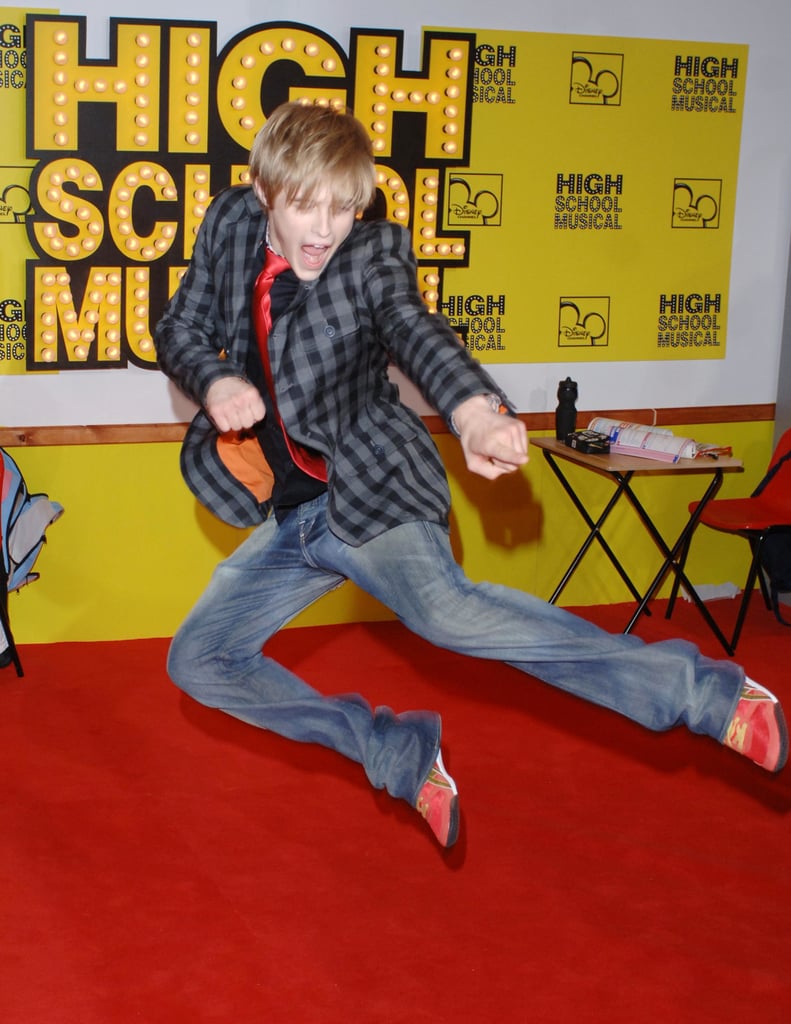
(494, 402)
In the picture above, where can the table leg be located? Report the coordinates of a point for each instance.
(672, 560)
(595, 530)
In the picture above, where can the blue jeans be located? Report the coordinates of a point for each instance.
(216, 655)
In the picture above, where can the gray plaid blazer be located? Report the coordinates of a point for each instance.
(329, 353)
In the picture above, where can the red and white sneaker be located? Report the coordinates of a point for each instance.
(758, 728)
(438, 802)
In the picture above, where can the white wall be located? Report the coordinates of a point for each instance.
(748, 374)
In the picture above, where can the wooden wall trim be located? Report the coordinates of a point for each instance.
(152, 433)
(122, 433)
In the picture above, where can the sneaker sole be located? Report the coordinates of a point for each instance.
(782, 728)
(453, 822)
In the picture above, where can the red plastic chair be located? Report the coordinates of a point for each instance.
(766, 511)
(9, 654)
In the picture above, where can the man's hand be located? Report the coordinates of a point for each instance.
(493, 444)
(234, 404)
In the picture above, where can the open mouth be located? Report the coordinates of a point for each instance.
(314, 255)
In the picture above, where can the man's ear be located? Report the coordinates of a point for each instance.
(259, 191)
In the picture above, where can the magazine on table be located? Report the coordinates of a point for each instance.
(651, 442)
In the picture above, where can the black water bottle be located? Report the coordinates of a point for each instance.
(566, 412)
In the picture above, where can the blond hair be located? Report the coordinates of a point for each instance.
(303, 148)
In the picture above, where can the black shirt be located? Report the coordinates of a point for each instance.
(292, 486)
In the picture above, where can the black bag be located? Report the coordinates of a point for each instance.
(776, 552)
(776, 564)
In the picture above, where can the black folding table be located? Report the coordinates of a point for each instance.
(621, 469)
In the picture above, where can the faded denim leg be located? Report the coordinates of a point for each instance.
(216, 657)
(411, 569)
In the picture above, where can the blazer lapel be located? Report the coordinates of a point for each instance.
(244, 240)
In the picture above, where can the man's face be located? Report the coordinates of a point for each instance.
(308, 233)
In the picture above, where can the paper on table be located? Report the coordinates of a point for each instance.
(650, 442)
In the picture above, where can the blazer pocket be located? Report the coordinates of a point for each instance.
(370, 444)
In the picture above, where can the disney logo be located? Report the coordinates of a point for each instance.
(576, 333)
(465, 212)
(586, 89)
(472, 198)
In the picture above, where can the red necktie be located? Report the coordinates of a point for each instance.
(309, 462)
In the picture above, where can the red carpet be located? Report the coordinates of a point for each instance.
(162, 863)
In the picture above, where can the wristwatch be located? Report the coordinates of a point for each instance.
(496, 404)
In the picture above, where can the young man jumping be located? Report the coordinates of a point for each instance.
(282, 331)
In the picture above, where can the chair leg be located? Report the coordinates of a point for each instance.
(755, 543)
(749, 586)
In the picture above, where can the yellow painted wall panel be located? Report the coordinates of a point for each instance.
(134, 549)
